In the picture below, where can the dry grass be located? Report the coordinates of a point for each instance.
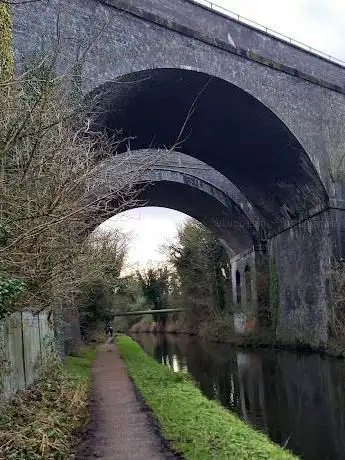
(39, 423)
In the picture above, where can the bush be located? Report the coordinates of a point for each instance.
(219, 328)
(10, 289)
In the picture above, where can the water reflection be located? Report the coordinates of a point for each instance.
(298, 400)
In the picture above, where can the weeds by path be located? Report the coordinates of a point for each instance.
(195, 427)
(39, 423)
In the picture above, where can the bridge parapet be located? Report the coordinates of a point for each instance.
(207, 19)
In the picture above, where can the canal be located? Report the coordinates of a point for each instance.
(298, 400)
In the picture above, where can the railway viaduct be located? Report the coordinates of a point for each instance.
(257, 125)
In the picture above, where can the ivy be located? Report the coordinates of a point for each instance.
(6, 54)
(10, 288)
(4, 235)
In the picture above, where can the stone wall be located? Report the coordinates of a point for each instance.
(222, 29)
(304, 92)
(67, 326)
(301, 261)
(244, 289)
(134, 42)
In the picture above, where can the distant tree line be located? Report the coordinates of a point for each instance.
(196, 278)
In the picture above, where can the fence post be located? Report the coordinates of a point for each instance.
(23, 349)
(39, 337)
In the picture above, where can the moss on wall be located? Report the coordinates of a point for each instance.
(6, 52)
(274, 293)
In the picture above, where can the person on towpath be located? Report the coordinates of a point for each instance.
(109, 330)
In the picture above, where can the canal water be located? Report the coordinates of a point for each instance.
(298, 400)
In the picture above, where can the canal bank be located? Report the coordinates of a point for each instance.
(197, 428)
(297, 399)
(224, 334)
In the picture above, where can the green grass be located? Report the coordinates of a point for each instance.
(197, 428)
(78, 365)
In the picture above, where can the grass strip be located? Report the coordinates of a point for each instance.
(39, 423)
(197, 428)
(78, 365)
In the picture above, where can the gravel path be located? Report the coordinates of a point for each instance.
(121, 428)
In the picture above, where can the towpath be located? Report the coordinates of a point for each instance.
(121, 428)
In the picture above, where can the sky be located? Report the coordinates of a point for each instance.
(147, 230)
(317, 23)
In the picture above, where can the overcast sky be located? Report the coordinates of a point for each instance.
(317, 23)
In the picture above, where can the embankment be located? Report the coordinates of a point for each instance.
(221, 330)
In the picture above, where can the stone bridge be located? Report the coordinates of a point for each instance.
(257, 126)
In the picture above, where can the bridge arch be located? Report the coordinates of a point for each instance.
(123, 39)
(176, 181)
(156, 165)
(192, 191)
(223, 126)
(276, 134)
(237, 135)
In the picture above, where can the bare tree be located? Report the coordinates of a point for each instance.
(54, 187)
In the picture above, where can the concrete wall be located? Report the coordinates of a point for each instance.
(24, 339)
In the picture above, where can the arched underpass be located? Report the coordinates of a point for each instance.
(219, 124)
(197, 198)
(180, 182)
(272, 127)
